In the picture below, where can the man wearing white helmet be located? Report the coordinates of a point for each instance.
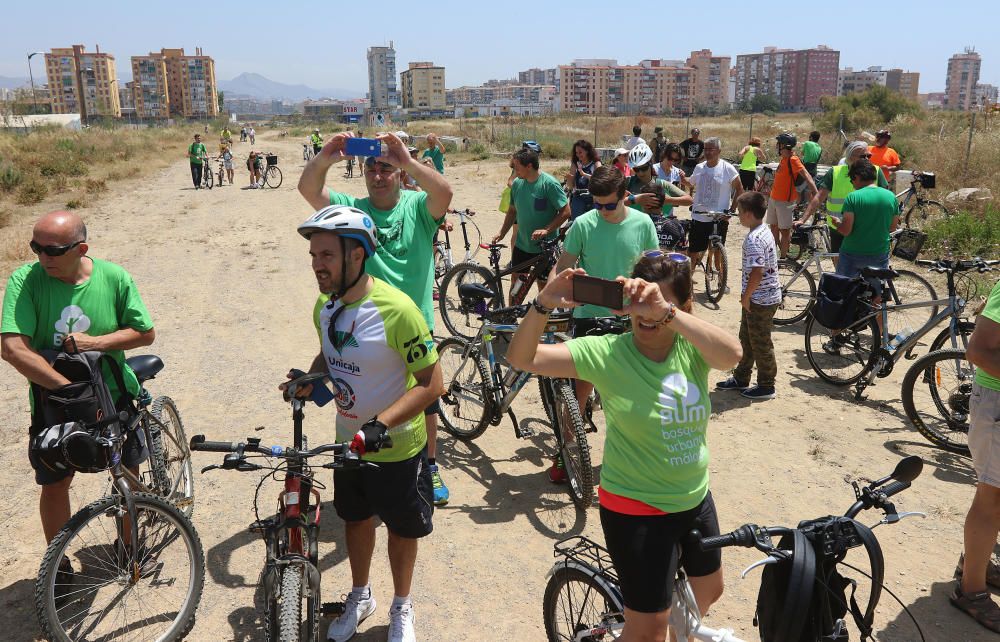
(646, 191)
(380, 356)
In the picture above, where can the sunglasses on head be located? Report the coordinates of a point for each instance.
(676, 257)
(605, 206)
(52, 250)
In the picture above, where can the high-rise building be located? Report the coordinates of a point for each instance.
(905, 82)
(603, 86)
(710, 85)
(382, 92)
(484, 94)
(909, 84)
(960, 83)
(82, 82)
(536, 76)
(986, 95)
(798, 79)
(422, 86)
(150, 86)
(191, 87)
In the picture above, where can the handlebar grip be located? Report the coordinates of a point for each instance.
(718, 541)
(894, 488)
(926, 263)
(198, 443)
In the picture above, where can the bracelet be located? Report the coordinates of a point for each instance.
(631, 199)
(539, 308)
(669, 316)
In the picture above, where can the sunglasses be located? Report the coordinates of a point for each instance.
(52, 250)
(605, 206)
(676, 257)
(642, 168)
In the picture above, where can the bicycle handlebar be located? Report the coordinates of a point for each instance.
(957, 265)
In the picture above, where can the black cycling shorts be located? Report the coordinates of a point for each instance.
(400, 493)
(643, 549)
(519, 256)
(700, 231)
(589, 327)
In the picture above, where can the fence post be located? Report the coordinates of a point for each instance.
(968, 147)
(751, 127)
(595, 127)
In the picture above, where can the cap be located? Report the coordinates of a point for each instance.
(657, 130)
(620, 151)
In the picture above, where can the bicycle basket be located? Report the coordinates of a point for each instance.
(927, 180)
(908, 244)
(837, 303)
(272, 159)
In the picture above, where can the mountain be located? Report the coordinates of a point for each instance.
(257, 86)
(6, 82)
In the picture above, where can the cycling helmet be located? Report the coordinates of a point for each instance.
(787, 140)
(883, 133)
(343, 220)
(532, 145)
(640, 155)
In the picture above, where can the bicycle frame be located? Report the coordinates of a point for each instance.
(532, 267)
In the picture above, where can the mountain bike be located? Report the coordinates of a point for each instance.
(479, 390)
(291, 576)
(715, 264)
(923, 211)
(583, 599)
(765, 178)
(221, 171)
(207, 177)
(307, 151)
(462, 320)
(443, 260)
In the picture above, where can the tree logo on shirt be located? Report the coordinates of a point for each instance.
(71, 320)
(343, 340)
(344, 394)
(680, 401)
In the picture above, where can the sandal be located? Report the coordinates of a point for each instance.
(992, 572)
(979, 606)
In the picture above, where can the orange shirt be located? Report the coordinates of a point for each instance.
(884, 156)
(784, 187)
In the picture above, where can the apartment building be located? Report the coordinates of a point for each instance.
(82, 82)
(150, 87)
(851, 81)
(535, 76)
(422, 86)
(797, 78)
(710, 80)
(484, 94)
(961, 81)
(909, 84)
(191, 87)
(382, 92)
(603, 86)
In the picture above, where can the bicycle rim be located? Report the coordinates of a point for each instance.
(843, 359)
(273, 177)
(924, 214)
(460, 319)
(715, 275)
(798, 293)
(576, 602)
(936, 393)
(573, 445)
(465, 406)
(104, 599)
(174, 455)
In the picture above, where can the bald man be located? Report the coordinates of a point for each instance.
(68, 297)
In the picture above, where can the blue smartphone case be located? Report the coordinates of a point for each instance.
(363, 147)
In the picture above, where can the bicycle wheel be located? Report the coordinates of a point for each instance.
(924, 213)
(463, 320)
(798, 293)
(466, 407)
(545, 391)
(716, 275)
(572, 435)
(943, 339)
(846, 357)
(908, 287)
(936, 392)
(208, 178)
(294, 625)
(575, 602)
(442, 264)
(221, 176)
(169, 455)
(273, 177)
(109, 596)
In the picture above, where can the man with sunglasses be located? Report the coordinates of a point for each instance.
(68, 300)
(654, 195)
(405, 222)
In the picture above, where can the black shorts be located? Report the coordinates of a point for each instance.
(434, 408)
(134, 452)
(519, 256)
(699, 233)
(400, 493)
(644, 551)
(589, 327)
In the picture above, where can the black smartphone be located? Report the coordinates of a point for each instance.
(602, 292)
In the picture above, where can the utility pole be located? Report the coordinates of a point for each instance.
(31, 77)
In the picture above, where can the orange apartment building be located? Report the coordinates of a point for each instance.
(83, 83)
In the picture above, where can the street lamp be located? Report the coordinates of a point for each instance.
(31, 77)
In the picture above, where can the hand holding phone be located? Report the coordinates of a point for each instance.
(364, 147)
(597, 291)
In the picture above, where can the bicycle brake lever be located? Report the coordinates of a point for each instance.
(895, 518)
(208, 468)
(770, 559)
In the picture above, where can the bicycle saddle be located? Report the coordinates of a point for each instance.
(490, 246)
(879, 273)
(475, 291)
(145, 366)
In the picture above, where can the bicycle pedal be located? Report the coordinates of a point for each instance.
(332, 608)
(261, 525)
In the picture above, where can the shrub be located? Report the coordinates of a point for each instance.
(479, 152)
(64, 164)
(75, 203)
(10, 178)
(32, 191)
(967, 234)
(95, 185)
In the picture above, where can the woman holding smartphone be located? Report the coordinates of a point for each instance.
(654, 385)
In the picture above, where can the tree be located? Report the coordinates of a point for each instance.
(764, 102)
(876, 106)
(221, 96)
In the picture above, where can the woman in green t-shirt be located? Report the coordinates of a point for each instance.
(654, 385)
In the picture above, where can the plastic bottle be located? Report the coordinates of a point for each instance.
(900, 338)
(516, 287)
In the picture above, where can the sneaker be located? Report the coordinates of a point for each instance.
(64, 577)
(358, 606)
(441, 493)
(401, 623)
(557, 473)
(731, 384)
(833, 345)
(759, 393)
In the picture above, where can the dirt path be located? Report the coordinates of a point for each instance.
(228, 283)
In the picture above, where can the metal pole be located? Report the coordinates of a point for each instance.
(968, 148)
(31, 77)
(687, 125)
(595, 125)
(751, 127)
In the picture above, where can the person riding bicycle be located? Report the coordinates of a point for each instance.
(226, 135)
(71, 301)
(655, 196)
(197, 155)
(716, 187)
(884, 156)
(381, 358)
(582, 165)
(785, 193)
(316, 141)
(653, 380)
(405, 224)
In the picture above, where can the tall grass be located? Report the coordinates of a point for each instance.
(966, 234)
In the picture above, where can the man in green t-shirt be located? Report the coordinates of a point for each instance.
(976, 568)
(654, 195)
(197, 155)
(811, 152)
(405, 222)
(435, 152)
(538, 205)
(67, 298)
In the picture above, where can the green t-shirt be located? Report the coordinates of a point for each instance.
(608, 250)
(536, 204)
(195, 153)
(45, 310)
(635, 186)
(811, 152)
(874, 208)
(405, 257)
(991, 312)
(436, 155)
(657, 418)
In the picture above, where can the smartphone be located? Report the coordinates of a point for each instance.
(321, 395)
(364, 147)
(602, 292)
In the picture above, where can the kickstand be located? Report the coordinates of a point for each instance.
(520, 434)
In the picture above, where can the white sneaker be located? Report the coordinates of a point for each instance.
(401, 623)
(357, 607)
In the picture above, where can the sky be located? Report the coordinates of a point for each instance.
(323, 44)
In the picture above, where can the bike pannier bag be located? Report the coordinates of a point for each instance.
(908, 244)
(927, 180)
(837, 300)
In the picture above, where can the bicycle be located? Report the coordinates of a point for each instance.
(271, 175)
(207, 178)
(307, 152)
(862, 352)
(349, 171)
(443, 261)
(583, 599)
(765, 178)
(923, 210)
(479, 391)
(456, 312)
(717, 270)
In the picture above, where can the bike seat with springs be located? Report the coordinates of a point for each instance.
(145, 366)
(475, 291)
(879, 273)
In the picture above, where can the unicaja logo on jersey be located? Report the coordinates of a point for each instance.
(344, 340)
(71, 320)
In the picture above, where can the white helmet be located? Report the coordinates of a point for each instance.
(343, 220)
(640, 155)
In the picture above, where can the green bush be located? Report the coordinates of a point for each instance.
(75, 203)
(967, 234)
(62, 164)
(875, 107)
(32, 191)
(479, 151)
(10, 178)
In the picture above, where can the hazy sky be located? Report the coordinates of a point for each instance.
(322, 44)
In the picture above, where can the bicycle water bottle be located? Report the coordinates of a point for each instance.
(900, 338)
(516, 287)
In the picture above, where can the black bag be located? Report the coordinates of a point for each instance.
(837, 303)
(909, 244)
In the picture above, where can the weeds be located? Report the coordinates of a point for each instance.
(32, 191)
(967, 234)
(75, 203)
(10, 178)
(96, 185)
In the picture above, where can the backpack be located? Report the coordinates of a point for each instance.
(837, 303)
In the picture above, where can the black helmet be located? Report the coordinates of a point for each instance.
(532, 145)
(883, 133)
(787, 140)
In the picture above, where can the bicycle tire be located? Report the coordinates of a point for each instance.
(175, 483)
(273, 177)
(924, 213)
(221, 176)
(948, 426)
(943, 339)
(547, 403)
(208, 178)
(715, 280)
(798, 293)
(862, 338)
(909, 287)
(461, 320)
(571, 433)
(290, 605)
(148, 507)
(451, 400)
(598, 606)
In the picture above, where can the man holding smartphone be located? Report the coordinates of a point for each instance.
(606, 242)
